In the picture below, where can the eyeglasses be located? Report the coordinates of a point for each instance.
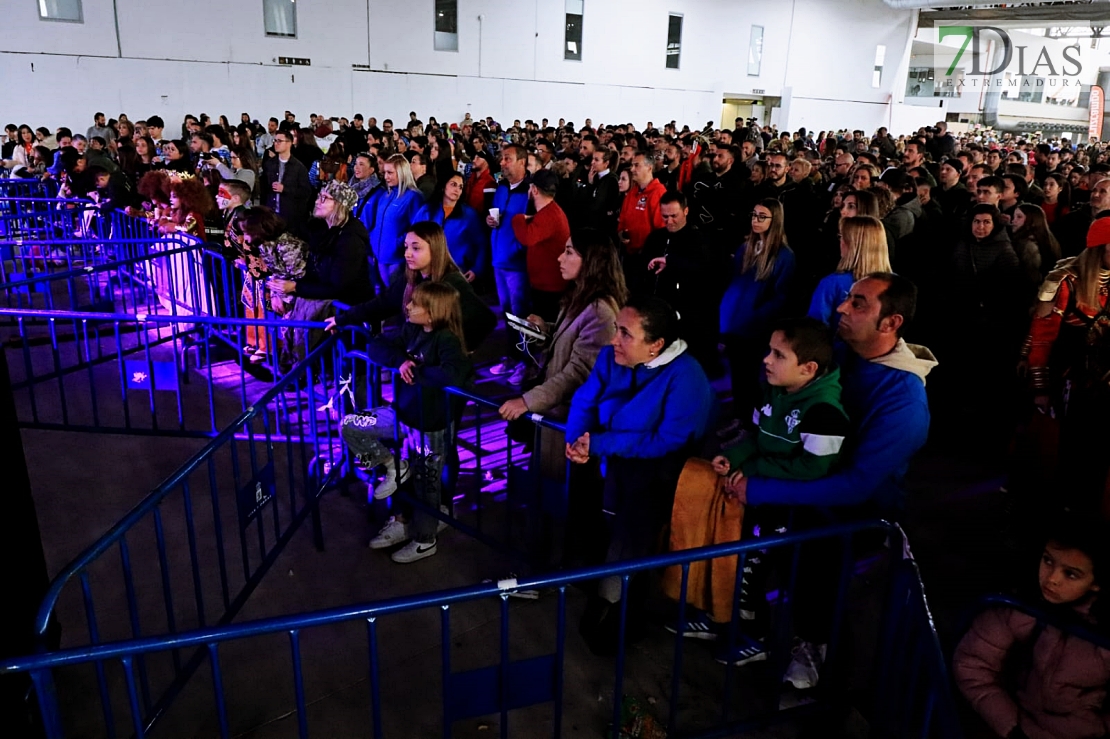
(281, 141)
(323, 197)
(760, 217)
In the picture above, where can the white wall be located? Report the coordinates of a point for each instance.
(214, 57)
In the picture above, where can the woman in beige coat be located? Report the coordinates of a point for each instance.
(586, 323)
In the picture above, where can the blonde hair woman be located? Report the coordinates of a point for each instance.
(388, 216)
(863, 250)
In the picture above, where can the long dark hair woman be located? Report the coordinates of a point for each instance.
(466, 238)
(756, 294)
(426, 258)
(1036, 247)
(586, 324)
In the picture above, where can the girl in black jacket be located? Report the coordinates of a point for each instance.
(428, 355)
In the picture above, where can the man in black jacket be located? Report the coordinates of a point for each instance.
(597, 200)
(285, 186)
(680, 270)
(717, 198)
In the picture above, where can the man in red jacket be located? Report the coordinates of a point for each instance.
(640, 214)
(479, 186)
(545, 236)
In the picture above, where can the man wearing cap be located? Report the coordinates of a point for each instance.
(544, 236)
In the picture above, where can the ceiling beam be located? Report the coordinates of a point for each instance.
(1029, 15)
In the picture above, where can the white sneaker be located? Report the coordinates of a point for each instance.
(516, 379)
(441, 526)
(393, 478)
(414, 551)
(504, 367)
(803, 670)
(394, 532)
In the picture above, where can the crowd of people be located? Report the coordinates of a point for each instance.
(806, 272)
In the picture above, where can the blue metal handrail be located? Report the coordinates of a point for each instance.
(920, 709)
(201, 637)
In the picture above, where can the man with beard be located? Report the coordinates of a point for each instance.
(672, 164)
(718, 200)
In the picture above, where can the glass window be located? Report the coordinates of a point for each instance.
(573, 49)
(755, 51)
(877, 73)
(674, 40)
(447, 25)
(61, 10)
(280, 18)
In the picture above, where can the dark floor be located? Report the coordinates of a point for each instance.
(953, 526)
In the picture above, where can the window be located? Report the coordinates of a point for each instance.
(755, 51)
(447, 25)
(573, 50)
(61, 10)
(280, 18)
(674, 40)
(877, 73)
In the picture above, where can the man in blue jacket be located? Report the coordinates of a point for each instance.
(883, 380)
(510, 269)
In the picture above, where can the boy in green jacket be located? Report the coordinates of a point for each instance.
(801, 422)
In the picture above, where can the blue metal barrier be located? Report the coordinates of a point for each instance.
(127, 226)
(503, 687)
(244, 495)
(131, 276)
(29, 187)
(119, 373)
(913, 691)
(40, 218)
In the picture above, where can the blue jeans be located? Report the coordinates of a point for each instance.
(512, 291)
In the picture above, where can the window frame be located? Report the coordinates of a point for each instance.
(581, 6)
(79, 19)
(449, 39)
(269, 34)
(678, 54)
(751, 45)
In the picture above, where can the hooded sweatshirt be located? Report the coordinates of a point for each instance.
(885, 400)
(800, 434)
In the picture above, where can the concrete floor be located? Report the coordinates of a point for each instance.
(952, 527)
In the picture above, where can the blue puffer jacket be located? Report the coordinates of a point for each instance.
(466, 237)
(387, 218)
(508, 253)
(750, 306)
(643, 412)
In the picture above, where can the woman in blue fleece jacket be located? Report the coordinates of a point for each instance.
(754, 299)
(465, 238)
(644, 409)
(389, 215)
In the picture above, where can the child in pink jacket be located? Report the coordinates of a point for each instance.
(1031, 680)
